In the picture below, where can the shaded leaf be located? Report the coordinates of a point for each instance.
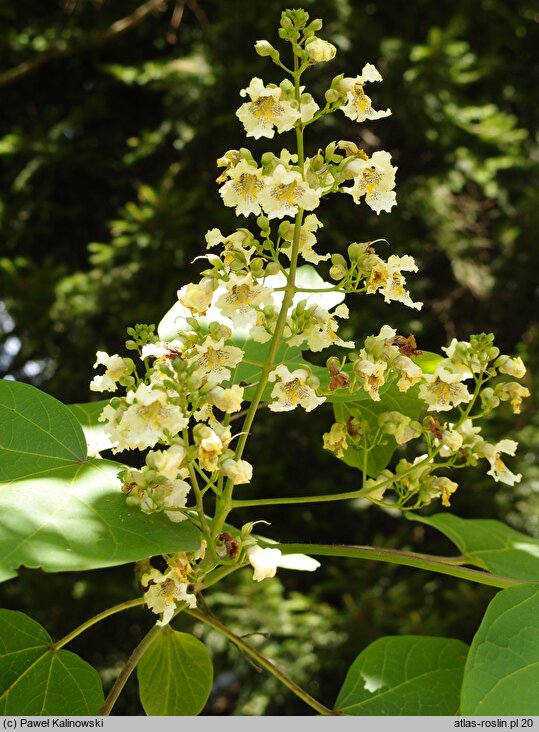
(405, 676)
(175, 675)
(502, 670)
(489, 544)
(37, 680)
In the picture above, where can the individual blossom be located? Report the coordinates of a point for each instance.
(214, 359)
(237, 247)
(511, 366)
(443, 390)
(308, 107)
(322, 330)
(209, 445)
(436, 486)
(513, 392)
(241, 298)
(266, 561)
(336, 440)
(393, 282)
(498, 469)
(450, 441)
(239, 471)
(152, 493)
(116, 369)
(307, 239)
(402, 427)
(266, 110)
(410, 372)
(319, 51)
(292, 389)
(358, 105)
(243, 189)
(227, 400)
(143, 418)
(197, 298)
(166, 590)
(285, 192)
(373, 375)
(374, 178)
(168, 350)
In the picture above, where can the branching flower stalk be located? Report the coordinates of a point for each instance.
(221, 347)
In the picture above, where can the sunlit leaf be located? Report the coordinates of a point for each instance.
(489, 544)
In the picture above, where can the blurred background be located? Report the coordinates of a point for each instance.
(113, 114)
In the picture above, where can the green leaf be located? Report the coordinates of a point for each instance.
(367, 412)
(502, 670)
(35, 679)
(405, 676)
(489, 544)
(87, 415)
(60, 510)
(175, 675)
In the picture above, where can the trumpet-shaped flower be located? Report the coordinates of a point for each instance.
(307, 240)
(498, 469)
(166, 590)
(375, 179)
(291, 389)
(243, 189)
(266, 110)
(358, 105)
(285, 192)
(442, 390)
(241, 298)
(116, 368)
(213, 357)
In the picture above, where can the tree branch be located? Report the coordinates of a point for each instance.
(116, 29)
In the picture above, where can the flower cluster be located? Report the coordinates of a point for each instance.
(253, 302)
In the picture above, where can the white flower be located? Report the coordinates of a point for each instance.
(213, 358)
(291, 390)
(166, 590)
(391, 283)
(322, 330)
(375, 179)
(307, 240)
(410, 372)
(241, 297)
(511, 366)
(498, 470)
(197, 298)
(143, 419)
(227, 400)
(319, 50)
(266, 110)
(308, 107)
(441, 486)
(358, 105)
(210, 446)
(116, 367)
(243, 189)
(442, 390)
(168, 463)
(266, 561)
(285, 192)
(239, 471)
(373, 373)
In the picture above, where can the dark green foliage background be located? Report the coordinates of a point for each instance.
(107, 170)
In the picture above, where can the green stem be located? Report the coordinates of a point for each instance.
(128, 669)
(96, 619)
(263, 661)
(224, 505)
(297, 499)
(442, 565)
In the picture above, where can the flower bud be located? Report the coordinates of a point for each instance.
(319, 50)
(273, 268)
(264, 48)
(337, 272)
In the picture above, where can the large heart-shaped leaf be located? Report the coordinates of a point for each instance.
(175, 675)
(502, 670)
(489, 544)
(35, 679)
(405, 676)
(60, 510)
